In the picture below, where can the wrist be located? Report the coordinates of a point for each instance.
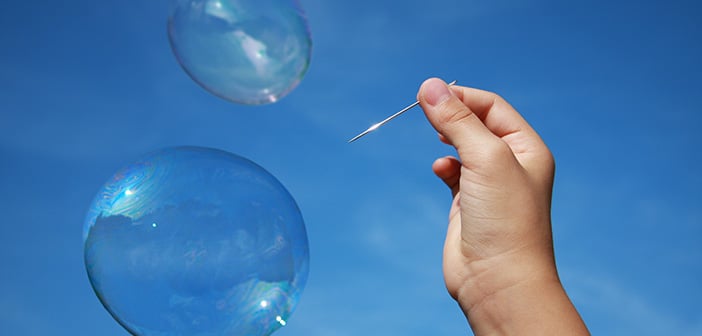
(517, 294)
(486, 280)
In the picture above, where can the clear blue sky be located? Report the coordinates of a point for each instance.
(612, 86)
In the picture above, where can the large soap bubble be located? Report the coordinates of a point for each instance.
(245, 51)
(196, 241)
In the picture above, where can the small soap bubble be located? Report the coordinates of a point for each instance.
(196, 241)
(246, 51)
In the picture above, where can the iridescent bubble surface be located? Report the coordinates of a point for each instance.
(245, 51)
(196, 241)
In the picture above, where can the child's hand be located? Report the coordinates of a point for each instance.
(498, 255)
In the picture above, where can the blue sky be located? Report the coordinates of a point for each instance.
(612, 86)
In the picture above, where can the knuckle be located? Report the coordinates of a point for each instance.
(498, 149)
(548, 162)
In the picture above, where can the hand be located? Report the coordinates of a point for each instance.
(498, 255)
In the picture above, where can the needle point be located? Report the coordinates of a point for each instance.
(376, 126)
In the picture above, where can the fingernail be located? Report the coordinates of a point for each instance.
(436, 91)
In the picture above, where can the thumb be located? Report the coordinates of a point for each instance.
(455, 121)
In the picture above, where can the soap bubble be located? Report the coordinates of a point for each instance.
(245, 51)
(196, 241)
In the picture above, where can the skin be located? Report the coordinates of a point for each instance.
(498, 256)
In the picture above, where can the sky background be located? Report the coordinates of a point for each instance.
(613, 87)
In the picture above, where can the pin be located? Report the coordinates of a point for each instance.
(376, 126)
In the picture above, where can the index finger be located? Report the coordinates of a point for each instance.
(496, 113)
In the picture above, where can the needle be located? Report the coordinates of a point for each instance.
(376, 126)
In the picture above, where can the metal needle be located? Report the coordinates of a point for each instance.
(376, 126)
